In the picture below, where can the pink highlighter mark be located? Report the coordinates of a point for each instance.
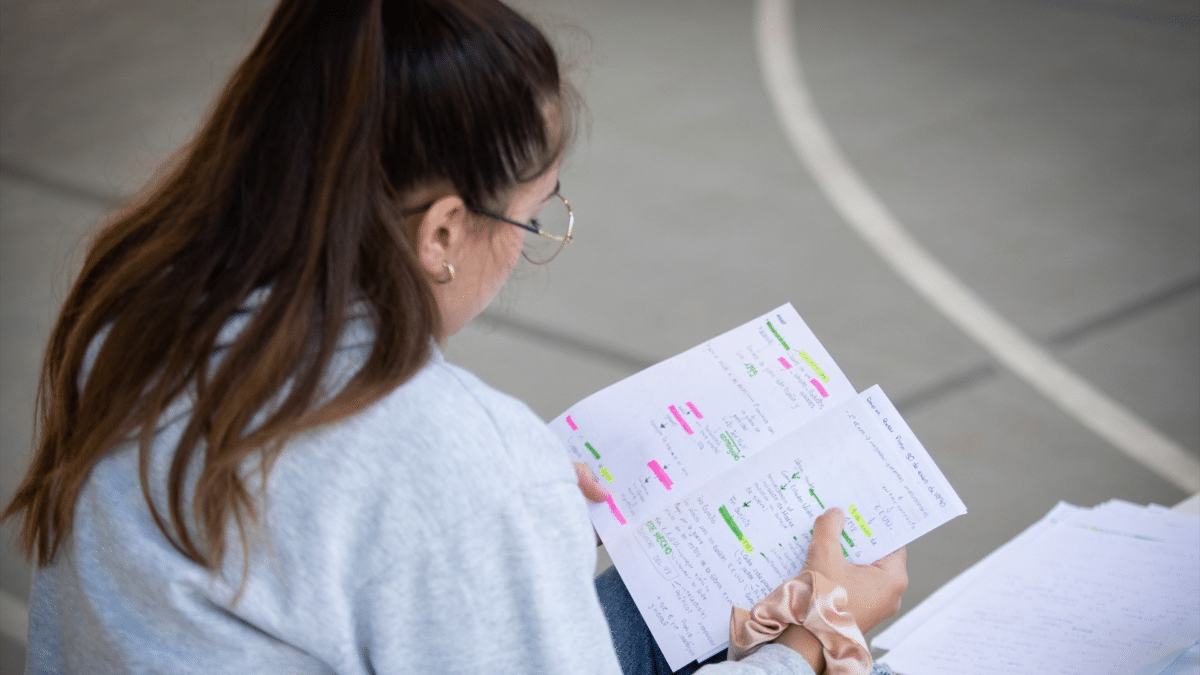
(675, 412)
(817, 383)
(662, 475)
(692, 407)
(786, 364)
(616, 512)
(571, 423)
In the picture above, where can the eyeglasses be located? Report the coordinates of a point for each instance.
(553, 226)
(555, 223)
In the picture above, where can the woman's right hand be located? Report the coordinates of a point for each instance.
(874, 590)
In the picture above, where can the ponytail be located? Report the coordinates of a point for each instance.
(292, 189)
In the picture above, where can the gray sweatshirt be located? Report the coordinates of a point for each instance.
(439, 530)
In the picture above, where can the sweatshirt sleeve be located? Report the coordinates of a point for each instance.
(768, 660)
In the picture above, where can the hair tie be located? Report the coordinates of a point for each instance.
(812, 601)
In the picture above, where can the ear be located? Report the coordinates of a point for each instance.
(441, 233)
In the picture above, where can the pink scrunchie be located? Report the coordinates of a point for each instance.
(811, 600)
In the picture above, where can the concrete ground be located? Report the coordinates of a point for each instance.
(1047, 152)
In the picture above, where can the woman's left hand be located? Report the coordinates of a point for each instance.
(591, 488)
(589, 485)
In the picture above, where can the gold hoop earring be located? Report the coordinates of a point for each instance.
(449, 274)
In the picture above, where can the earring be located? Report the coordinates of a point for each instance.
(449, 274)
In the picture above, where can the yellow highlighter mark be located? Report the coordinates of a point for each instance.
(815, 368)
(607, 476)
(862, 524)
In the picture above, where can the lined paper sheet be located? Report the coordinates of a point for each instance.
(1082, 592)
(942, 597)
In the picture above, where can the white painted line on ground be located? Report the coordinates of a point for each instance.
(14, 618)
(868, 216)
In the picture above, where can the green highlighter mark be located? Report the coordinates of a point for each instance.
(589, 447)
(814, 494)
(778, 336)
(737, 532)
(731, 446)
(848, 539)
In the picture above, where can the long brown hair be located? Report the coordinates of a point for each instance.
(292, 188)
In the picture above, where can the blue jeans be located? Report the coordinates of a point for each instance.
(636, 649)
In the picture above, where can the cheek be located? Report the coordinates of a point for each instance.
(513, 246)
(505, 253)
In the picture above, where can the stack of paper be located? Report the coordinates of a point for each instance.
(718, 461)
(1111, 589)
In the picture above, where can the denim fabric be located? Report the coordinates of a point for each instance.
(636, 649)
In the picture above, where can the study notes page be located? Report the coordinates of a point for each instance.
(718, 461)
(734, 540)
(666, 431)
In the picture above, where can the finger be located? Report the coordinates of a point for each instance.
(828, 526)
(589, 484)
(825, 547)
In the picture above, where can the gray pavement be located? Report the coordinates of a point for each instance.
(1047, 152)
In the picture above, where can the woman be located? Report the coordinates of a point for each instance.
(251, 456)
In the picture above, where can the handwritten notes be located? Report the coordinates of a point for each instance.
(735, 539)
(747, 399)
(715, 510)
(1083, 591)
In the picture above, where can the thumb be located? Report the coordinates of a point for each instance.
(589, 484)
(828, 528)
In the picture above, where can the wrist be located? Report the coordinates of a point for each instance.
(801, 640)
